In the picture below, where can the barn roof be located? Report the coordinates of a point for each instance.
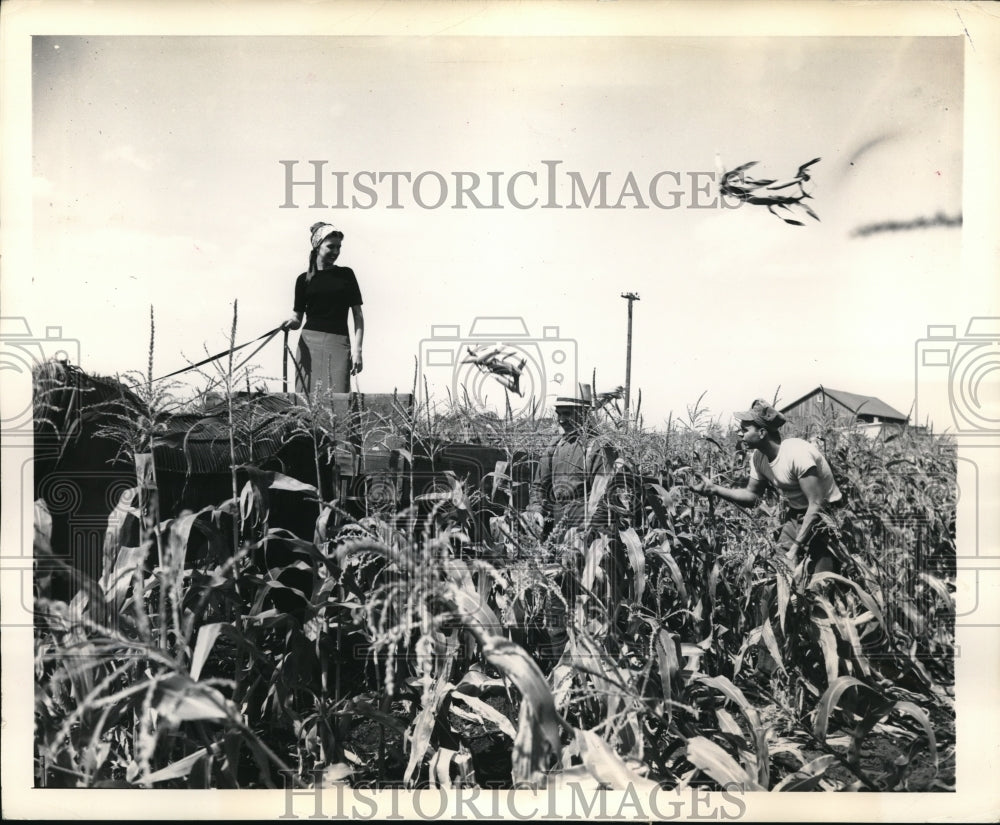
(855, 403)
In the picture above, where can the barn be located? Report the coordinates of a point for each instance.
(844, 409)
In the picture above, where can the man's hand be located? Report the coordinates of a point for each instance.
(701, 485)
(357, 364)
(291, 323)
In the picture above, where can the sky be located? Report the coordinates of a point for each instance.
(157, 181)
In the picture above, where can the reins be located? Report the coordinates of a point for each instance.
(265, 339)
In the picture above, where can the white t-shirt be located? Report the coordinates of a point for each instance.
(795, 457)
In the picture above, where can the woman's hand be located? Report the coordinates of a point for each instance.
(292, 323)
(357, 363)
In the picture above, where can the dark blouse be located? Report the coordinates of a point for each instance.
(326, 298)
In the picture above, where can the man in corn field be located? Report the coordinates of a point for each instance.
(574, 469)
(570, 481)
(802, 477)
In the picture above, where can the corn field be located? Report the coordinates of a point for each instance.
(419, 644)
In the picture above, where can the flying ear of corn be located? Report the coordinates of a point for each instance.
(764, 191)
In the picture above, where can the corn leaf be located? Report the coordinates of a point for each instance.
(727, 724)
(925, 722)
(608, 767)
(440, 768)
(664, 553)
(537, 744)
(771, 643)
(828, 645)
(633, 547)
(176, 770)
(179, 698)
(940, 588)
(423, 725)
(117, 577)
(43, 529)
(866, 598)
(757, 731)
(207, 634)
(592, 561)
(282, 482)
(705, 755)
(784, 595)
(669, 663)
(827, 703)
(562, 686)
(486, 712)
(808, 776)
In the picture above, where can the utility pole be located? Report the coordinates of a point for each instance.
(630, 297)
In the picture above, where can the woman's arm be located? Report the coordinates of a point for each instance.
(299, 305)
(294, 322)
(357, 364)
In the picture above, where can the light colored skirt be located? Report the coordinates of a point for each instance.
(324, 362)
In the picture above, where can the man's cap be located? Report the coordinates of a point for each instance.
(584, 400)
(762, 414)
(574, 403)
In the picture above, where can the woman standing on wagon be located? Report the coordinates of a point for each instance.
(324, 294)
